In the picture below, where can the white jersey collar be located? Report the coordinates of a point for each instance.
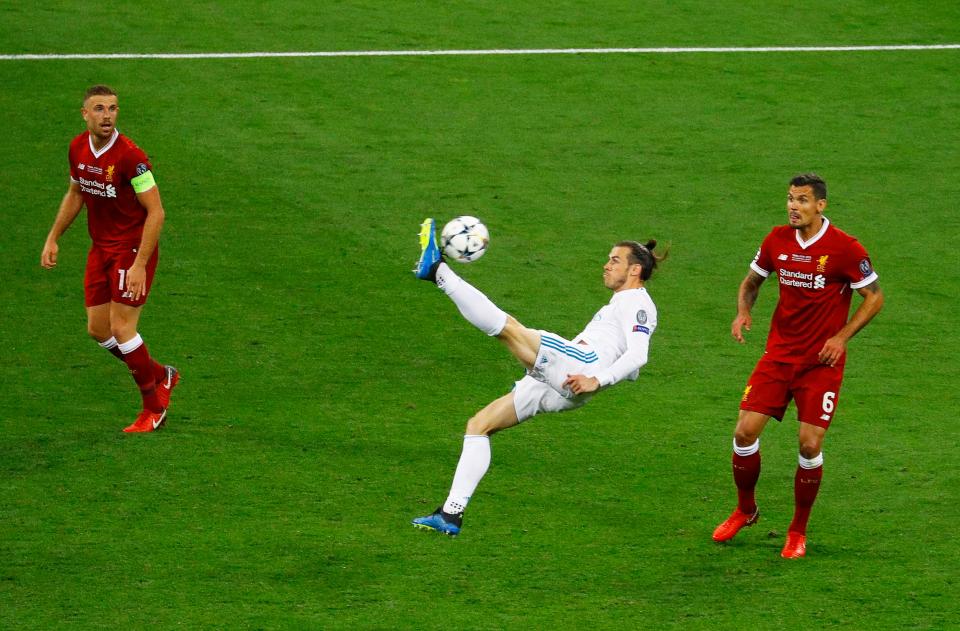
(106, 147)
(814, 238)
(618, 295)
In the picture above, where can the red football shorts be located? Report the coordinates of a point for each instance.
(105, 279)
(814, 388)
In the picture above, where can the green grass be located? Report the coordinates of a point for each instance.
(325, 391)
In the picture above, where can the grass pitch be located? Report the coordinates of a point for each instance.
(325, 391)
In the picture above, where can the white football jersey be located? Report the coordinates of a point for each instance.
(620, 335)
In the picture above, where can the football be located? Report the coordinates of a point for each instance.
(464, 239)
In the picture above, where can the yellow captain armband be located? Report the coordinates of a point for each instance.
(143, 182)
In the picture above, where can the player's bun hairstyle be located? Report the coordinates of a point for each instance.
(98, 90)
(812, 180)
(643, 255)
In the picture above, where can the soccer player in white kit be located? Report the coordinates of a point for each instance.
(561, 374)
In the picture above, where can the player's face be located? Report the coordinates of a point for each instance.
(803, 208)
(618, 271)
(100, 113)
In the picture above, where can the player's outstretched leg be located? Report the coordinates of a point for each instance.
(475, 307)
(430, 257)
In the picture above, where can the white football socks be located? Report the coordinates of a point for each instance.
(473, 465)
(473, 305)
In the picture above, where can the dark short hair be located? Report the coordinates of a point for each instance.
(98, 90)
(642, 254)
(812, 180)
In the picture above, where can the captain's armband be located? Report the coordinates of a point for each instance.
(143, 182)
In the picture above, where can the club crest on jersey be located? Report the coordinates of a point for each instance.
(110, 173)
(822, 263)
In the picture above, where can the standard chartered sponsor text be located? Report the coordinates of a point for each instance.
(97, 188)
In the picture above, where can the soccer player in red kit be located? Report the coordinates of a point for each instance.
(817, 267)
(112, 176)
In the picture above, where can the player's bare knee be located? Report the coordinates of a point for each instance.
(477, 426)
(745, 435)
(98, 333)
(122, 331)
(509, 329)
(810, 449)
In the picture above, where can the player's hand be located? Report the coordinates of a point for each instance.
(137, 281)
(833, 349)
(48, 258)
(742, 321)
(581, 384)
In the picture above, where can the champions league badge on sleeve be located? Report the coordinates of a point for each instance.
(865, 267)
(142, 168)
(642, 320)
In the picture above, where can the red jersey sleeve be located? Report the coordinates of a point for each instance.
(762, 263)
(135, 162)
(857, 268)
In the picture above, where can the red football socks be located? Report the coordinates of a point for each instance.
(806, 483)
(746, 472)
(144, 372)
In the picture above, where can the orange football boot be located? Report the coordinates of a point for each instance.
(147, 422)
(795, 547)
(732, 525)
(165, 387)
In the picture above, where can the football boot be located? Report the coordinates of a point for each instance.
(147, 422)
(795, 547)
(166, 386)
(440, 521)
(734, 523)
(430, 257)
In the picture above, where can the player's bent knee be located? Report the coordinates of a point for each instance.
(746, 434)
(811, 449)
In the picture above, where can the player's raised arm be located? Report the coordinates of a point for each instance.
(746, 297)
(70, 207)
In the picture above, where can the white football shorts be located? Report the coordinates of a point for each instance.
(541, 390)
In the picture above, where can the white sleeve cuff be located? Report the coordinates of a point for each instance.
(758, 269)
(866, 281)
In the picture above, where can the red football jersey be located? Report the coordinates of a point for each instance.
(817, 279)
(115, 217)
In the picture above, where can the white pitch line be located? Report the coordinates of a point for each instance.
(494, 51)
